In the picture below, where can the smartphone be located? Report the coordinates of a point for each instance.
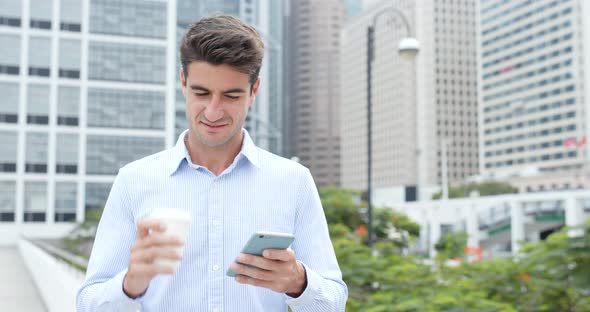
(260, 241)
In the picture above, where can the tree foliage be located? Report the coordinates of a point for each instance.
(451, 245)
(552, 275)
(484, 189)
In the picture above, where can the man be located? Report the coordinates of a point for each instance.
(231, 188)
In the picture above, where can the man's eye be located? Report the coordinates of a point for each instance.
(201, 94)
(232, 97)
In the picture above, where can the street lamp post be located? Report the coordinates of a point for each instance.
(408, 48)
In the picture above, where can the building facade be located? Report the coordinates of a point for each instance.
(420, 107)
(85, 92)
(533, 67)
(314, 93)
(89, 86)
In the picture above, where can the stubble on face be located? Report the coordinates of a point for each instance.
(216, 125)
(209, 140)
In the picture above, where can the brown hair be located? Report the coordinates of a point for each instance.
(223, 39)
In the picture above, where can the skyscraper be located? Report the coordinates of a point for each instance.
(418, 106)
(534, 62)
(314, 93)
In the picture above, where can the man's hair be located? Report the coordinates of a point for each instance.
(223, 39)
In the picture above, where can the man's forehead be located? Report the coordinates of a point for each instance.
(219, 76)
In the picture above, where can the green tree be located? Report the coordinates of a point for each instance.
(340, 206)
(484, 189)
(559, 270)
(452, 245)
(393, 226)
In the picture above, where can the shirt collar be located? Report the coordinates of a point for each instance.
(180, 153)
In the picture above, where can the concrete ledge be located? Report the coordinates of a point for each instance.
(11, 232)
(56, 281)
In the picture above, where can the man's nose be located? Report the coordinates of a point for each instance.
(214, 111)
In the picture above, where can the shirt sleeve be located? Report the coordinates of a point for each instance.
(102, 289)
(325, 291)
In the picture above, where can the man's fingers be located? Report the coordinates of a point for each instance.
(145, 225)
(150, 254)
(157, 239)
(254, 272)
(279, 254)
(150, 270)
(242, 279)
(259, 262)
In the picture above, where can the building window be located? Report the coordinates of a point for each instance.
(126, 62)
(96, 195)
(106, 154)
(8, 147)
(68, 100)
(36, 153)
(11, 13)
(35, 202)
(7, 200)
(39, 56)
(38, 104)
(71, 15)
(9, 102)
(67, 153)
(69, 59)
(65, 201)
(41, 11)
(9, 54)
(129, 18)
(126, 109)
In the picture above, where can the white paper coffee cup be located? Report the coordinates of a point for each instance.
(177, 223)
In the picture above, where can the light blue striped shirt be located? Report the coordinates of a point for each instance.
(259, 191)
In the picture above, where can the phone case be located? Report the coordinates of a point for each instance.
(260, 241)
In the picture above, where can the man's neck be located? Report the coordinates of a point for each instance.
(216, 159)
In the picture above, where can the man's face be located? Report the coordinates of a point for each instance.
(217, 100)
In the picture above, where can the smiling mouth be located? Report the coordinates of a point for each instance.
(214, 126)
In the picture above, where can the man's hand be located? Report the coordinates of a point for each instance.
(277, 270)
(150, 244)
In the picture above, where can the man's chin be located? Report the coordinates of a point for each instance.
(213, 142)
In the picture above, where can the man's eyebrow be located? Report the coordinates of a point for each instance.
(236, 90)
(199, 88)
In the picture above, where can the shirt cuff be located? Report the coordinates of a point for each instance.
(312, 291)
(117, 295)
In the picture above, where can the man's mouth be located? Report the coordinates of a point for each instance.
(213, 126)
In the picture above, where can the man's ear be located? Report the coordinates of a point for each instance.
(255, 87)
(183, 82)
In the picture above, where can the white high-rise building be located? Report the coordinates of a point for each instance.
(534, 61)
(85, 89)
(417, 105)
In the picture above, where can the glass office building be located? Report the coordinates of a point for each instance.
(91, 85)
(85, 91)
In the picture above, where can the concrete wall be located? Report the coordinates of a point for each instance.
(56, 281)
(11, 232)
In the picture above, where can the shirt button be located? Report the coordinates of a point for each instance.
(215, 267)
(215, 310)
(215, 183)
(215, 222)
